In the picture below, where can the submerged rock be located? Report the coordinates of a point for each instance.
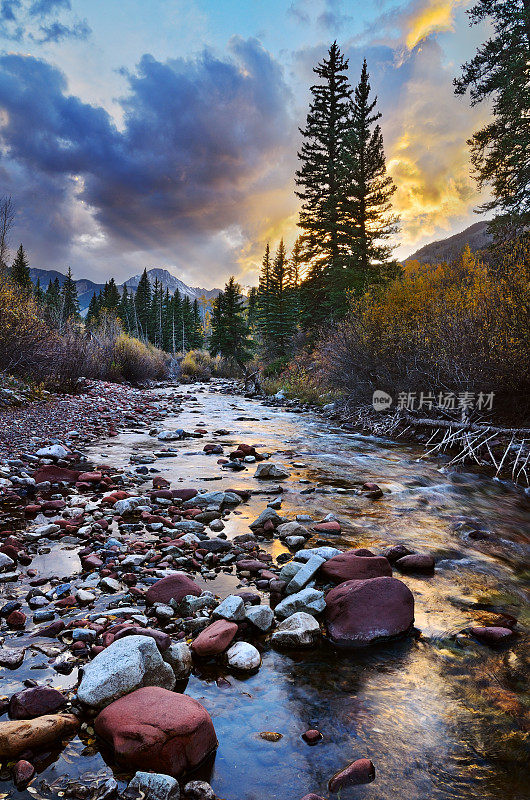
(356, 773)
(214, 639)
(155, 786)
(155, 729)
(298, 630)
(351, 566)
(172, 587)
(21, 735)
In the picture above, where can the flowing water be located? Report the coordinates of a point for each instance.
(440, 715)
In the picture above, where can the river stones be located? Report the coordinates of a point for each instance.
(36, 702)
(309, 600)
(155, 729)
(32, 734)
(172, 587)
(298, 630)
(268, 471)
(178, 656)
(493, 635)
(124, 666)
(363, 612)
(416, 562)
(244, 657)
(305, 574)
(356, 773)
(198, 790)
(351, 566)
(231, 608)
(155, 786)
(214, 639)
(260, 616)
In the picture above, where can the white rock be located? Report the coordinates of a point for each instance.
(11, 658)
(231, 608)
(244, 656)
(189, 526)
(304, 575)
(291, 529)
(298, 630)
(55, 451)
(6, 562)
(83, 597)
(128, 505)
(266, 471)
(155, 786)
(110, 584)
(126, 665)
(324, 552)
(260, 616)
(47, 530)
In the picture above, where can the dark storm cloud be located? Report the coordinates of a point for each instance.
(200, 137)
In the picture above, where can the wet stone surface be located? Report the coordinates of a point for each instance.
(121, 552)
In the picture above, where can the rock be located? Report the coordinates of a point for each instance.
(267, 515)
(198, 790)
(363, 612)
(110, 584)
(172, 587)
(155, 786)
(188, 526)
(53, 474)
(55, 451)
(312, 736)
(127, 664)
(16, 620)
(356, 773)
(309, 600)
(312, 796)
(178, 656)
(494, 635)
(214, 639)
(36, 702)
(21, 735)
(231, 608)
(328, 527)
(128, 505)
(291, 529)
(416, 563)
(6, 562)
(261, 617)
(324, 552)
(268, 471)
(298, 630)
(304, 575)
(23, 772)
(244, 657)
(154, 729)
(397, 551)
(350, 566)
(11, 658)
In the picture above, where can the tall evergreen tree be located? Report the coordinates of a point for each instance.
(282, 321)
(320, 188)
(500, 73)
(92, 314)
(264, 294)
(230, 332)
(142, 302)
(125, 312)
(20, 271)
(52, 299)
(111, 296)
(197, 332)
(38, 292)
(366, 218)
(69, 299)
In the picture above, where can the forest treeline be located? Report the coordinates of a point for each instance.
(335, 315)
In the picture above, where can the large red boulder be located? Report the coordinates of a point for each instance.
(352, 567)
(360, 613)
(35, 702)
(172, 587)
(55, 475)
(214, 639)
(155, 729)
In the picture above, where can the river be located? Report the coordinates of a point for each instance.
(440, 715)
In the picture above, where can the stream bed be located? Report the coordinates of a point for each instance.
(440, 715)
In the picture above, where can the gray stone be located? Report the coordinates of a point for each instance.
(155, 786)
(55, 451)
(11, 658)
(309, 600)
(295, 542)
(178, 656)
(6, 562)
(189, 526)
(260, 616)
(231, 608)
(128, 505)
(304, 575)
(266, 515)
(127, 664)
(267, 471)
(289, 570)
(291, 529)
(110, 584)
(298, 630)
(198, 790)
(324, 552)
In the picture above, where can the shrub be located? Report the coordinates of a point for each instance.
(136, 361)
(198, 365)
(25, 339)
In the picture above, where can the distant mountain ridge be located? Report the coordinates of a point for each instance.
(86, 288)
(476, 236)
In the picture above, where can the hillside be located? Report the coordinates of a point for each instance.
(476, 236)
(86, 288)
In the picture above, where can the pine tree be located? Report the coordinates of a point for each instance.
(20, 273)
(124, 311)
(142, 302)
(177, 333)
(38, 292)
(69, 299)
(264, 294)
(197, 332)
(366, 218)
(230, 332)
(92, 315)
(52, 299)
(281, 326)
(111, 296)
(500, 73)
(320, 187)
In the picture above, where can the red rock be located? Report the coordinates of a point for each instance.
(32, 510)
(493, 635)
(55, 475)
(184, 494)
(155, 729)
(17, 619)
(9, 550)
(362, 612)
(160, 483)
(327, 527)
(91, 562)
(66, 602)
(214, 639)
(51, 631)
(163, 640)
(356, 773)
(397, 551)
(90, 477)
(172, 587)
(251, 565)
(23, 772)
(416, 563)
(35, 702)
(312, 736)
(350, 566)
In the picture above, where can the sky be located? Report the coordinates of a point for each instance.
(164, 133)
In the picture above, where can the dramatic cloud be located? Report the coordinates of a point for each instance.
(24, 19)
(42, 8)
(413, 23)
(201, 149)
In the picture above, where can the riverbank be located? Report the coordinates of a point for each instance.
(101, 541)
